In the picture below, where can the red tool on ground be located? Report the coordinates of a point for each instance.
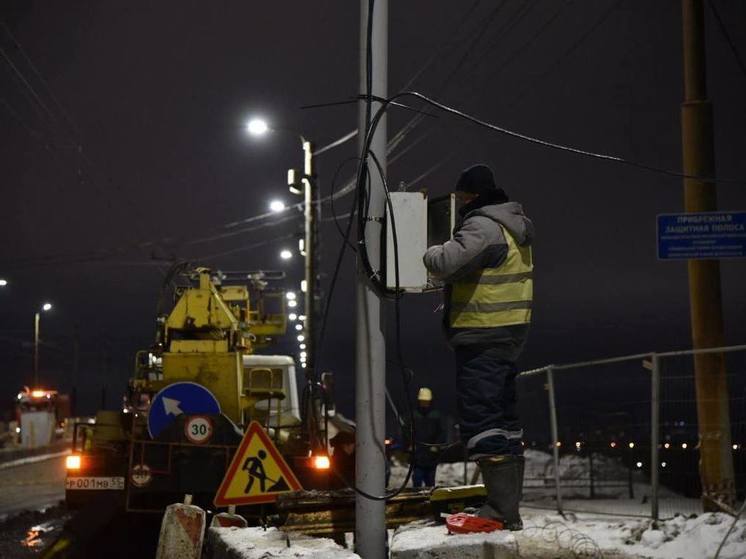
(464, 523)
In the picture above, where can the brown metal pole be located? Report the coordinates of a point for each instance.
(716, 461)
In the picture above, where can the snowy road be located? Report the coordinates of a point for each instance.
(31, 484)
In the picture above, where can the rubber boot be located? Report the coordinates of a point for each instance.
(503, 480)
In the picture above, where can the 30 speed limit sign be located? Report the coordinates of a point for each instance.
(198, 429)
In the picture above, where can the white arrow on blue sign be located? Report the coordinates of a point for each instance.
(188, 398)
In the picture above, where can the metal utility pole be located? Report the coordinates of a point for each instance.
(370, 348)
(309, 242)
(716, 460)
(36, 349)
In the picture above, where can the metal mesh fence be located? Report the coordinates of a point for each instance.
(621, 435)
(679, 437)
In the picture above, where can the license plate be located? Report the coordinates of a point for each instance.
(100, 483)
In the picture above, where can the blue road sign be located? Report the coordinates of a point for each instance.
(706, 235)
(187, 398)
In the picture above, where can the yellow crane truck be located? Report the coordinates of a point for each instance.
(161, 445)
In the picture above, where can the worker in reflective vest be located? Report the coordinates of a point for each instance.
(487, 270)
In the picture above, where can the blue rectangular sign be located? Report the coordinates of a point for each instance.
(706, 235)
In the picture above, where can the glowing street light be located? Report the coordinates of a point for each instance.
(299, 327)
(257, 127)
(292, 304)
(301, 338)
(292, 316)
(290, 295)
(3, 282)
(46, 307)
(277, 206)
(285, 254)
(302, 346)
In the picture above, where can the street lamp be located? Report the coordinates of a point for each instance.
(302, 184)
(37, 315)
(257, 127)
(277, 206)
(285, 254)
(3, 282)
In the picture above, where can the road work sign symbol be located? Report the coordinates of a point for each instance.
(187, 398)
(257, 474)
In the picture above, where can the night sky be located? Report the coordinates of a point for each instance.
(122, 143)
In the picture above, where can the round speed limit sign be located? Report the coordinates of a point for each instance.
(198, 429)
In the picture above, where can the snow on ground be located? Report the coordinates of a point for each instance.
(258, 543)
(677, 538)
(551, 536)
(602, 529)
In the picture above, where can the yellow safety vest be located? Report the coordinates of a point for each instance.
(492, 297)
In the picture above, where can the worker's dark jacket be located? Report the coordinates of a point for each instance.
(428, 428)
(479, 243)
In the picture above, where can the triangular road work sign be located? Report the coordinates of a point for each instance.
(257, 474)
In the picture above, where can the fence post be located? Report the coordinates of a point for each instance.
(655, 389)
(590, 471)
(555, 436)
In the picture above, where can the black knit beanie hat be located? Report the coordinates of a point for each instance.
(479, 179)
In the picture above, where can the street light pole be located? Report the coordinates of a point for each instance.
(310, 214)
(36, 349)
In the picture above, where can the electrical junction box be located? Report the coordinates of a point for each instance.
(410, 220)
(419, 224)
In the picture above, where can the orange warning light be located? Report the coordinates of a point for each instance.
(38, 393)
(321, 462)
(72, 462)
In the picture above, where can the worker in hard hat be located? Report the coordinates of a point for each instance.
(487, 269)
(429, 433)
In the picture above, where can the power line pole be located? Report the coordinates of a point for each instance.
(716, 460)
(370, 348)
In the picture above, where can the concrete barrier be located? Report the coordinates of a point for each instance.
(422, 540)
(258, 543)
(182, 531)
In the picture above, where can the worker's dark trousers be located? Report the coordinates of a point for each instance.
(423, 476)
(487, 402)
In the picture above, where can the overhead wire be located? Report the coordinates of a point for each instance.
(165, 241)
(555, 145)
(71, 130)
(728, 39)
